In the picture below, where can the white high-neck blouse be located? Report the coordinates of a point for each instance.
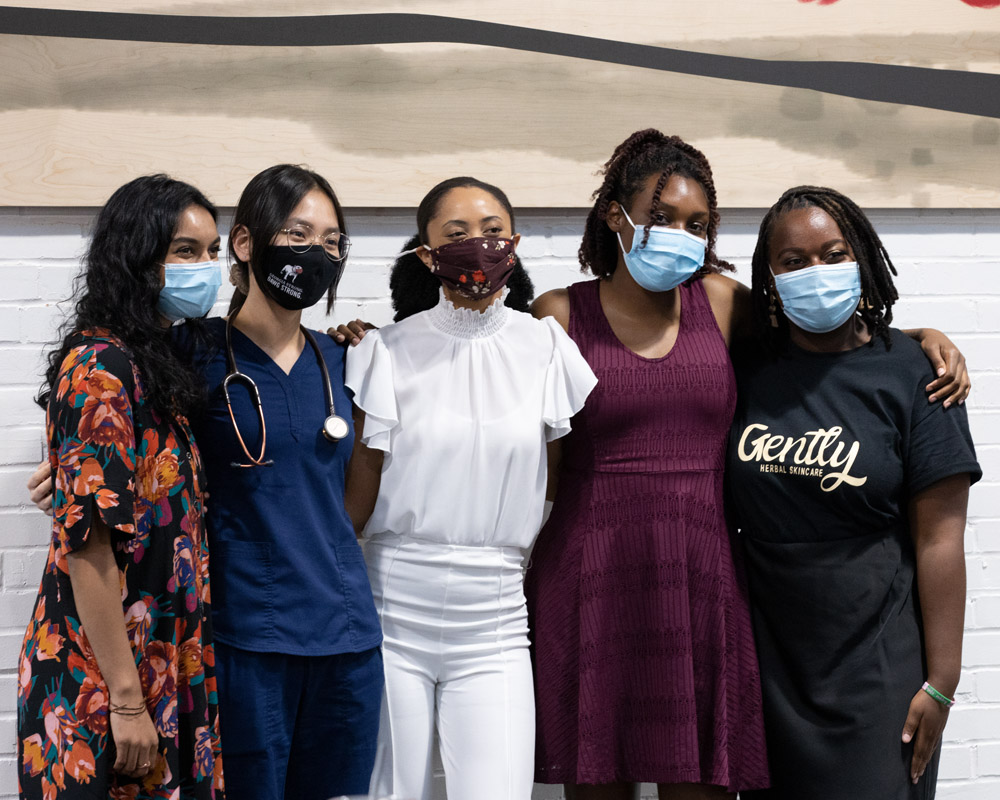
(462, 403)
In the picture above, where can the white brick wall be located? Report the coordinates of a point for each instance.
(949, 264)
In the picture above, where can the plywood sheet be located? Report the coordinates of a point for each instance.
(385, 121)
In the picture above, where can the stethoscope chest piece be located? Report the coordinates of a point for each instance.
(335, 428)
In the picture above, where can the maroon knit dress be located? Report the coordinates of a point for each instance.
(645, 668)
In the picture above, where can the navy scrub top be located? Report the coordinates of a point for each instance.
(288, 575)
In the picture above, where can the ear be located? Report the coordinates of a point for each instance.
(240, 237)
(425, 255)
(615, 217)
(516, 239)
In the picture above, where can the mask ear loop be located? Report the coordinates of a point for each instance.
(618, 234)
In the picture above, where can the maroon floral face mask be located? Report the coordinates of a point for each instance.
(475, 268)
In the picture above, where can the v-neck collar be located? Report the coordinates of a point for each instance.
(262, 357)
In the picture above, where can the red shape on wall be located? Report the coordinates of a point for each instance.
(982, 3)
(831, 2)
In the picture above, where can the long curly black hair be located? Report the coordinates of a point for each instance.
(878, 292)
(120, 284)
(263, 207)
(645, 153)
(414, 288)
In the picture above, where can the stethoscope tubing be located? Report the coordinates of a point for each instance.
(334, 427)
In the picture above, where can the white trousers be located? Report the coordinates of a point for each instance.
(455, 650)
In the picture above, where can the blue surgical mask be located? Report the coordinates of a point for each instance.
(668, 259)
(820, 299)
(189, 290)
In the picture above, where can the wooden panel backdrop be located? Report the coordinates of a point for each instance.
(79, 116)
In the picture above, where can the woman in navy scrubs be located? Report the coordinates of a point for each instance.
(297, 636)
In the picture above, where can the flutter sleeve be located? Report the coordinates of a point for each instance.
(369, 377)
(568, 381)
(91, 438)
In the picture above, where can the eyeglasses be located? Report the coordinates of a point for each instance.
(301, 237)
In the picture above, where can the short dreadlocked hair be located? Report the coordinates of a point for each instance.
(641, 155)
(878, 292)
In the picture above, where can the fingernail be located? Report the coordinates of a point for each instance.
(932, 398)
(906, 738)
(947, 403)
(940, 371)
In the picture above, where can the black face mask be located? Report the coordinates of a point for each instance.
(297, 280)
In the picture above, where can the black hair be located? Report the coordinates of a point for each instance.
(641, 155)
(263, 209)
(432, 200)
(120, 284)
(878, 293)
(414, 288)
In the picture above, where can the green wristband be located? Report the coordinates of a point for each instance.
(946, 702)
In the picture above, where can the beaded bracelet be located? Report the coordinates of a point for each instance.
(945, 701)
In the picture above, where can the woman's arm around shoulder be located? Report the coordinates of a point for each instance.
(730, 301)
(555, 304)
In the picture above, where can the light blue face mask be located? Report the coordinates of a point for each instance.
(669, 258)
(189, 290)
(820, 299)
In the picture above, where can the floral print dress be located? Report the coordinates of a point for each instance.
(112, 454)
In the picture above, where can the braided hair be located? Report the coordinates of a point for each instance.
(878, 292)
(641, 155)
(414, 288)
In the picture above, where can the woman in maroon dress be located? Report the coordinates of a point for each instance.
(645, 667)
(644, 659)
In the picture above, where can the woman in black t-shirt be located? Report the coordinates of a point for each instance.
(851, 492)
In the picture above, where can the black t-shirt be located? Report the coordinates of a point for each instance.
(825, 452)
(828, 446)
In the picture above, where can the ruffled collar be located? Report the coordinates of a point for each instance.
(468, 323)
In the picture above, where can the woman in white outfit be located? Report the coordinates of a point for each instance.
(455, 405)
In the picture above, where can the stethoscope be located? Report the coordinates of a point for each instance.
(334, 427)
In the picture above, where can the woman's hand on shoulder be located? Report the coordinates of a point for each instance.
(555, 304)
(352, 333)
(730, 302)
(952, 383)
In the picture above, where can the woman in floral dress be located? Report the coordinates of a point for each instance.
(123, 704)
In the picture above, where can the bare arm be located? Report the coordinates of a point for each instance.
(94, 577)
(953, 382)
(554, 456)
(730, 302)
(937, 519)
(555, 304)
(364, 475)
